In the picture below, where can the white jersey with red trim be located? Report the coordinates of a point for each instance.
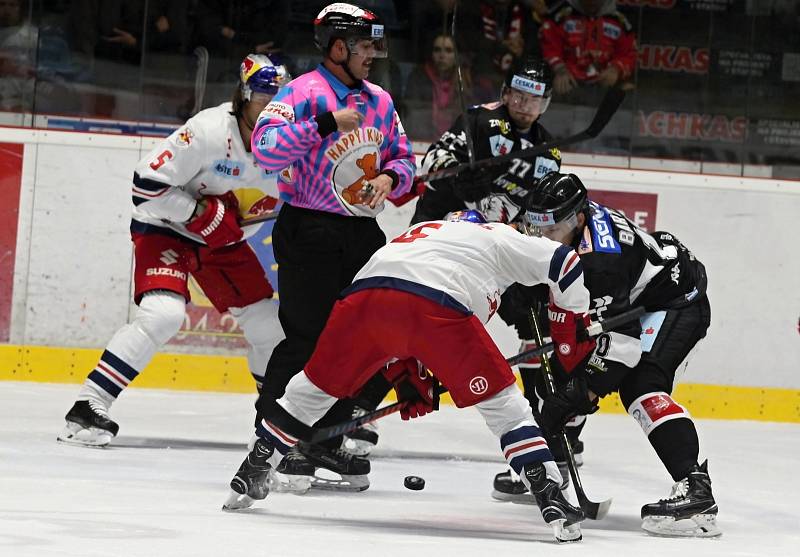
(205, 156)
(468, 266)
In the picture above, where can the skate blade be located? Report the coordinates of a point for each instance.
(518, 498)
(346, 483)
(566, 533)
(357, 447)
(697, 526)
(286, 483)
(76, 434)
(237, 501)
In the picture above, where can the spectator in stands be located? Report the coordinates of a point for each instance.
(506, 36)
(430, 19)
(113, 29)
(431, 102)
(588, 42)
(18, 40)
(231, 29)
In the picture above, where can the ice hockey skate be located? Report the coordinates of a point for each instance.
(336, 470)
(361, 441)
(88, 425)
(556, 510)
(294, 474)
(689, 511)
(508, 486)
(251, 481)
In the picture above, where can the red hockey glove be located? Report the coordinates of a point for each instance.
(218, 223)
(415, 386)
(564, 330)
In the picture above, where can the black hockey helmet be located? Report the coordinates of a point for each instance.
(533, 76)
(351, 23)
(556, 201)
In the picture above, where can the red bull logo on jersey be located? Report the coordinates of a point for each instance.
(184, 138)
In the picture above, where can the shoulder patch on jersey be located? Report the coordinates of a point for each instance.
(603, 231)
(280, 110)
(269, 138)
(556, 153)
(184, 137)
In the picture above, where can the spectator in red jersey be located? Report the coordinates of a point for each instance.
(588, 41)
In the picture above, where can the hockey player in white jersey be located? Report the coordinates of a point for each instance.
(189, 194)
(420, 303)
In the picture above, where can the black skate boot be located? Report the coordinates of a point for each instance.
(556, 510)
(352, 470)
(361, 441)
(293, 475)
(88, 425)
(251, 480)
(508, 487)
(689, 511)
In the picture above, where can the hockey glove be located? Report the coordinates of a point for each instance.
(567, 402)
(564, 329)
(415, 386)
(473, 184)
(531, 366)
(218, 223)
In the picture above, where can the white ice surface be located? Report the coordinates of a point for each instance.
(158, 490)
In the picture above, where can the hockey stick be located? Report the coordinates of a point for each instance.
(467, 131)
(325, 433)
(272, 215)
(608, 107)
(594, 511)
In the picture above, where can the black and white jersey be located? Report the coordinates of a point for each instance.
(626, 267)
(623, 267)
(493, 134)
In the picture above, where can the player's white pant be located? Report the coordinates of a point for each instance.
(158, 318)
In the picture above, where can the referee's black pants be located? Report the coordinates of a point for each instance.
(318, 254)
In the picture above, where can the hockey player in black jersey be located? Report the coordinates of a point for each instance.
(625, 267)
(496, 129)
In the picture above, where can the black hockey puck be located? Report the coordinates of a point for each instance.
(414, 483)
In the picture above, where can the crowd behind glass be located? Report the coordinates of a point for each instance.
(707, 80)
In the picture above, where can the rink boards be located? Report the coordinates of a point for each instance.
(65, 277)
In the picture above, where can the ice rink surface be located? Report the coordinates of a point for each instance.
(158, 490)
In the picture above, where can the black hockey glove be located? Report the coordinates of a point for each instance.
(473, 184)
(569, 401)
